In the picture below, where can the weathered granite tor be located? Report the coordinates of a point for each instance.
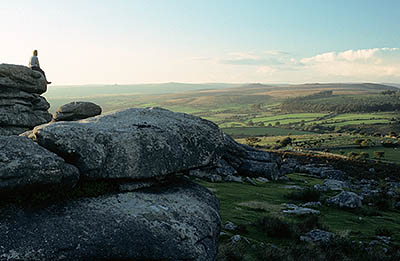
(134, 143)
(21, 106)
(151, 142)
(113, 186)
(156, 214)
(167, 218)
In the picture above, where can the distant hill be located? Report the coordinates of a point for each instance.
(197, 96)
(376, 97)
(116, 89)
(397, 85)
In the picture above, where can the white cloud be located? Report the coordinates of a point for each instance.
(369, 63)
(354, 55)
(361, 65)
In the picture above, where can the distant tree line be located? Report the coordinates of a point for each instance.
(325, 101)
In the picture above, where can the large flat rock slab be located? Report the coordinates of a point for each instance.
(134, 143)
(176, 222)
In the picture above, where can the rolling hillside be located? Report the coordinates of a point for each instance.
(195, 97)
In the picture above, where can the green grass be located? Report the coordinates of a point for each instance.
(355, 122)
(287, 118)
(262, 131)
(290, 116)
(245, 204)
(365, 116)
(391, 154)
(232, 125)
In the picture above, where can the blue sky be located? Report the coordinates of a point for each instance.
(139, 41)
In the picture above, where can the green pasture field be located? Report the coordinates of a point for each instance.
(352, 122)
(356, 118)
(391, 154)
(262, 131)
(287, 118)
(290, 116)
(364, 116)
(324, 140)
(245, 203)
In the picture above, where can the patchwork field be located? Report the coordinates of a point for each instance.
(261, 131)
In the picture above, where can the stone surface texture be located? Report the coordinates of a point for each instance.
(345, 199)
(317, 236)
(177, 222)
(22, 78)
(21, 106)
(150, 142)
(74, 111)
(25, 165)
(134, 144)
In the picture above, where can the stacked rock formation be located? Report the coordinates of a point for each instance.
(74, 111)
(169, 217)
(21, 106)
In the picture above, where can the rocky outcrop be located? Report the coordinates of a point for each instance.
(320, 170)
(21, 106)
(317, 236)
(74, 111)
(152, 142)
(139, 206)
(175, 222)
(345, 199)
(24, 165)
(134, 144)
(241, 160)
(22, 78)
(332, 184)
(148, 211)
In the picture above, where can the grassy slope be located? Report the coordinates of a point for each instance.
(244, 204)
(391, 154)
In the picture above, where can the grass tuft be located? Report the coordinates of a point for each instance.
(306, 195)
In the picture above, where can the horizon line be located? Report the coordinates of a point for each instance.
(209, 83)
